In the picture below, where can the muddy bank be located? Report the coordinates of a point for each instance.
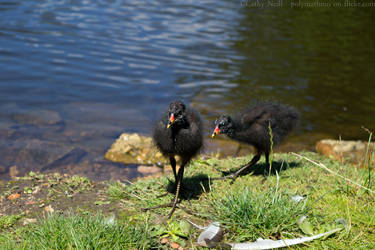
(36, 195)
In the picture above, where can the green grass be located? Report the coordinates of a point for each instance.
(81, 232)
(257, 205)
(251, 215)
(8, 221)
(260, 205)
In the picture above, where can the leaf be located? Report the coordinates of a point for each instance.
(174, 245)
(185, 227)
(164, 241)
(49, 209)
(27, 190)
(158, 230)
(305, 226)
(29, 220)
(102, 202)
(14, 196)
(174, 237)
(203, 162)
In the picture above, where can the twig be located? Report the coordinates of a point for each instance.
(332, 172)
(366, 129)
(195, 225)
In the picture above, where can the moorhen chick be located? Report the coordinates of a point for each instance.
(253, 126)
(178, 132)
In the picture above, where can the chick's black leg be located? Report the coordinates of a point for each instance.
(180, 176)
(248, 165)
(178, 181)
(267, 155)
(173, 165)
(241, 170)
(268, 163)
(172, 160)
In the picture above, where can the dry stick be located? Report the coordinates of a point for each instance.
(332, 172)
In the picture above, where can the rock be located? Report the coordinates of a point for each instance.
(3, 169)
(134, 148)
(38, 153)
(31, 155)
(345, 151)
(149, 169)
(72, 157)
(13, 172)
(37, 117)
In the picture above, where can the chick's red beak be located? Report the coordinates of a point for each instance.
(216, 131)
(171, 120)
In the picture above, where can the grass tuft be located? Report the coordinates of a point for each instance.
(116, 190)
(253, 215)
(8, 221)
(84, 232)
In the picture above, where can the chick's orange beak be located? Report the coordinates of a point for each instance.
(171, 120)
(216, 131)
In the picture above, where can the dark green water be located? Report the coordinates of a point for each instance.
(321, 60)
(104, 67)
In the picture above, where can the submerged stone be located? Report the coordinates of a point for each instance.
(37, 117)
(71, 158)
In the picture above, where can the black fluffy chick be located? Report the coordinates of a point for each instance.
(179, 132)
(255, 125)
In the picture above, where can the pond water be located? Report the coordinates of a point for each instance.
(76, 74)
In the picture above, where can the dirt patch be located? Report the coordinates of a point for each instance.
(36, 195)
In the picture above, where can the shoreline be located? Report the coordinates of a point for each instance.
(31, 200)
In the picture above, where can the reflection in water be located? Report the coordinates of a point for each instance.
(75, 74)
(314, 59)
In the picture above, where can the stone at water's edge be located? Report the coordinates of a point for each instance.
(347, 151)
(135, 149)
(140, 150)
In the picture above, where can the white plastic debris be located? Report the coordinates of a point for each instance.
(269, 244)
(297, 198)
(110, 220)
(211, 235)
